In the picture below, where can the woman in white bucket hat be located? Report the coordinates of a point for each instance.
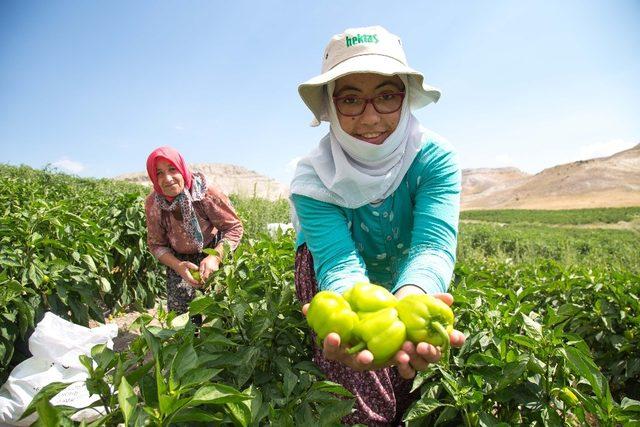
(377, 200)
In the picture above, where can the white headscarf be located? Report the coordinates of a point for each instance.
(351, 173)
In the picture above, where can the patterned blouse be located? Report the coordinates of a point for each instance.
(166, 231)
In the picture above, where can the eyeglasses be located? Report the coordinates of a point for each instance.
(385, 103)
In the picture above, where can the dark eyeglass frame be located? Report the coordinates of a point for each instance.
(368, 100)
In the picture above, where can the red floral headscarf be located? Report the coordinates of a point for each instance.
(175, 158)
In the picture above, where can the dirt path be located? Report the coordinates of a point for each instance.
(124, 321)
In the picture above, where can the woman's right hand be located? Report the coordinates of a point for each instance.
(183, 268)
(333, 350)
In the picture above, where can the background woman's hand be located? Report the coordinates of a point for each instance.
(208, 265)
(183, 268)
(412, 358)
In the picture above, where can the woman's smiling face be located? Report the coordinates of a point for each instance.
(169, 178)
(370, 126)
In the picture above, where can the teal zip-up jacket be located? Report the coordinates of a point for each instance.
(409, 238)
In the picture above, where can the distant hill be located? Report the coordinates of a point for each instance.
(230, 178)
(612, 181)
(477, 181)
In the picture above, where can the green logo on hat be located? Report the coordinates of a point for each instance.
(362, 38)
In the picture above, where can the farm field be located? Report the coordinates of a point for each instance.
(556, 217)
(552, 316)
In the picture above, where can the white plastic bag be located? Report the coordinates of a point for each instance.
(278, 227)
(61, 341)
(56, 345)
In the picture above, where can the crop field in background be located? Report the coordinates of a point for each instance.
(552, 316)
(569, 216)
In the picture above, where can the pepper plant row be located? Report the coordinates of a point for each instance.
(72, 246)
(248, 364)
(547, 345)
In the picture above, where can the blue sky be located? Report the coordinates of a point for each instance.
(93, 86)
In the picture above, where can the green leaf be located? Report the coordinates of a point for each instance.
(332, 413)
(152, 342)
(331, 387)
(135, 376)
(583, 365)
(448, 414)
(481, 360)
(35, 277)
(421, 377)
(550, 417)
(197, 376)
(218, 340)
(422, 408)
(148, 390)
(127, 400)
(524, 341)
(488, 420)
(25, 316)
(198, 415)
(46, 393)
(630, 404)
(48, 415)
(165, 403)
(218, 394)
(240, 412)
(180, 321)
(90, 263)
(103, 356)
(199, 305)
(532, 328)
(290, 381)
(161, 387)
(184, 360)
(304, 415)
(105, 286)
(512, 372)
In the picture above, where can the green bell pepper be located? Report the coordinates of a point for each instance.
(330, 312)
(195, 273)
(381, 332)
(566, 395)
(367, 297)
(427, 318)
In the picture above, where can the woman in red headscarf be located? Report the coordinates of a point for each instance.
(184, 216)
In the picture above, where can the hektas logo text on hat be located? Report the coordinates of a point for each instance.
(362, 38)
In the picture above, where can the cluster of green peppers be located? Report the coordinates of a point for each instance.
(369, 316)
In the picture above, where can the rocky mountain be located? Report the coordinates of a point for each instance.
(230, 178)
(476, 181)
(612, 181)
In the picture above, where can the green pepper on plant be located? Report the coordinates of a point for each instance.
(195, 273)
(566, 395)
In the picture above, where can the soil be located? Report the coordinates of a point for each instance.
(124, 321)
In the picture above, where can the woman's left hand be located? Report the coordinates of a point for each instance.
(208, 265)
(412, 358)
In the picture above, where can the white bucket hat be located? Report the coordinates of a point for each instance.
(364, 50)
